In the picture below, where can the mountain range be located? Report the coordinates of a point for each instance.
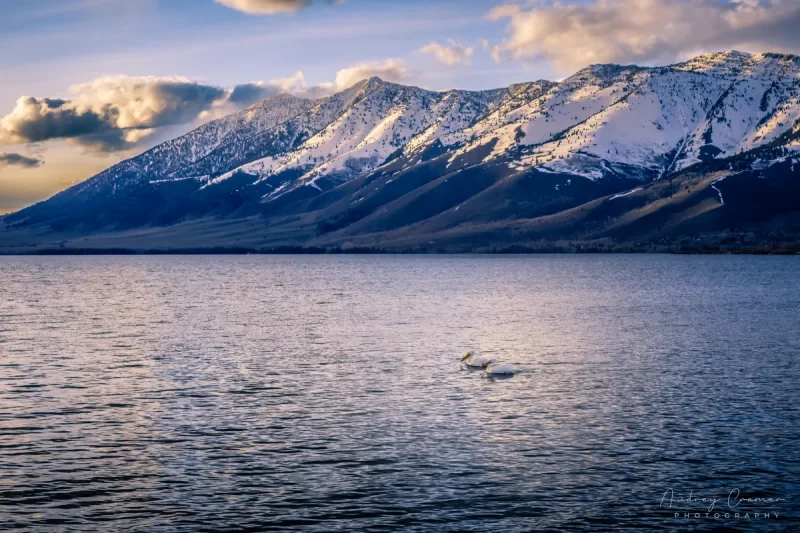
(696, 156)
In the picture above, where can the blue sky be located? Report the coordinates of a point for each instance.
(60, 43)
(136, 72)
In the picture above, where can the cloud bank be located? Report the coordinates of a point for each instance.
(110, 113)
(450, 54)
(642, 31)
(116, 113)
(15, 159)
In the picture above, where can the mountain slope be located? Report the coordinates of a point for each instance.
(386, 165)
(389, 119)
(649, 121)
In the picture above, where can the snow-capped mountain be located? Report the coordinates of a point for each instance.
(386, 119)
(380, 156)
(639, 122)
(648, 121)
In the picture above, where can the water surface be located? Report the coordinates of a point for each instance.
(323, 393)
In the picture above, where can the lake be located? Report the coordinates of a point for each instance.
(324, 393)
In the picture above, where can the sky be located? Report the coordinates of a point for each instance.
(87, 83)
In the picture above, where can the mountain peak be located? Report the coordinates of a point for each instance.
(364, 86)
(280, 97)
(373, 83)
(736, 64)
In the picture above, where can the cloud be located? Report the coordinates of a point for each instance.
(12, 158)
(250, 93)
(117, 113)
(389, 70)
(297, 84)
(293, 84)
(572, 36)
(110, 113)
(269, 7)
(449, 54)
(265, 7)
(393, 70)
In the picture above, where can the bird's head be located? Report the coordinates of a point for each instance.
(469, 354)
(486, 364)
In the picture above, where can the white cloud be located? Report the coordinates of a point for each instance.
(293, 84)
(449, 54)
(389, 70)
(269, 7)
(265, 7)
(572, 36)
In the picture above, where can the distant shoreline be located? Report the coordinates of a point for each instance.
(378, 251)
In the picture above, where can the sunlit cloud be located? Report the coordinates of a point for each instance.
(392, 70)
(269, 7)
(572, 36)
(265, 7)
(450, 54)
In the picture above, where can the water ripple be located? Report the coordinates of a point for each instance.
(324, 393)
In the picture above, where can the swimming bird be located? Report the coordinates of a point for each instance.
(498, 369)
(474, 360)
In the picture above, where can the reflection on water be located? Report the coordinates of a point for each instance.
(325, 393)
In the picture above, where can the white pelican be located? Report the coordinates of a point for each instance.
(474, 360)
(498, 369)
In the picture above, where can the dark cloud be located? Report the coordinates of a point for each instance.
(181, 102)
(15, 159)
(250, 93)
(34, 120)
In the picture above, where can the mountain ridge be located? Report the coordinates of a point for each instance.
(380, 159)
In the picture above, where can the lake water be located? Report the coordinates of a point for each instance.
(324, 393)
